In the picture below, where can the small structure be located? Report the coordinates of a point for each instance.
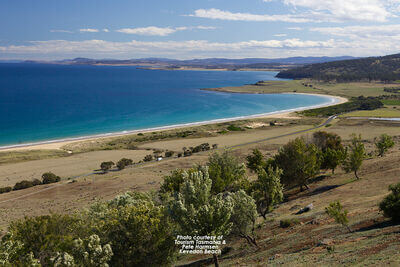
(159, 158)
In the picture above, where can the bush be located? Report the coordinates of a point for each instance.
(49, 178)
(391, 204)
(169, 154)
(122, 163)
(36, 182)
(105, 166)
(288, 223)
(148, 158)
(5, 189)
(234, 128)
(23, 184)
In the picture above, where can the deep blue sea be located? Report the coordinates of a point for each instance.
(46, 102)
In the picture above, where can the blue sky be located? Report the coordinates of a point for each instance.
(58, 29)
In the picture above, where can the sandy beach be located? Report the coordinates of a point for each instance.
(58, 144)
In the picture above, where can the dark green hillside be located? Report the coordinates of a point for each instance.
(385, 68)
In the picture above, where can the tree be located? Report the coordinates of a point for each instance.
(138, 229)
(267, 190)
(197, 211)
(49, 178)
(12, 254)
(89, 252)
(46, 235)
(333, 152)
(383, 144)
(335, 210)
(244, 216)
(122, 163)
(106, 166)
(148, 158)
(324, 140)
(255, 160)
(298, 161)
(356, 156)
(172, 183)
(225, 172)
(391, 203)
(333, 158)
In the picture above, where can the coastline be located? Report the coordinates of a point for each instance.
(59, 143)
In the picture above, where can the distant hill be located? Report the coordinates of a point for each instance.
(386, 68)
(204, 63)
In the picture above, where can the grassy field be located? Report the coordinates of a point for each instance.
(391, 102)
(303, 86)
(387, 112)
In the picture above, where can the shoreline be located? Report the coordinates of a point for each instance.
(59, 143)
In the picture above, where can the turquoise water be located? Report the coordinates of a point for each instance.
(51, 102)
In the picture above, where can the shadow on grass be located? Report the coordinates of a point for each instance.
(378, 225)
(322, 189)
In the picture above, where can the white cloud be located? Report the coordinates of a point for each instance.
(88, 30)
(355, 46)
(295, 28)
(158, 31)
(280, 35)
(214, 13)
(106, 30)
(358, 32)
(341, 10)
(62, 31)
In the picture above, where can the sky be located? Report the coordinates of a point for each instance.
(185, 29)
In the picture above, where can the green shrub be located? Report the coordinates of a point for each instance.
(5, 189)
(335, 210)
(122, 163)
(169, 154)
(391, 204)
(49, 178)
(23, 184)
(148, 158)
(288, 223)
(234, 128)
(107, 165)
(36, 182)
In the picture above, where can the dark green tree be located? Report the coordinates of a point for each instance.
(299, 162)
(106, 166)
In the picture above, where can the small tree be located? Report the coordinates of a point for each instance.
(244, 216)
(197, 211)
(333, 158)
(49, 177)
(148, 158)
(383, 144)
(298, 161)
(336, 211)
(255, 160)
(267, 190)
(391, 203)
(172, 183)
(355, 157)
(124, 162)
(106, 166)
(226, 173)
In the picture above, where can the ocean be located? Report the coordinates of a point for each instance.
(41, 102)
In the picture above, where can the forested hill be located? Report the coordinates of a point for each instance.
(385, 68)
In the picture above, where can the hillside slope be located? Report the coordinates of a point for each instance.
(385, 68)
